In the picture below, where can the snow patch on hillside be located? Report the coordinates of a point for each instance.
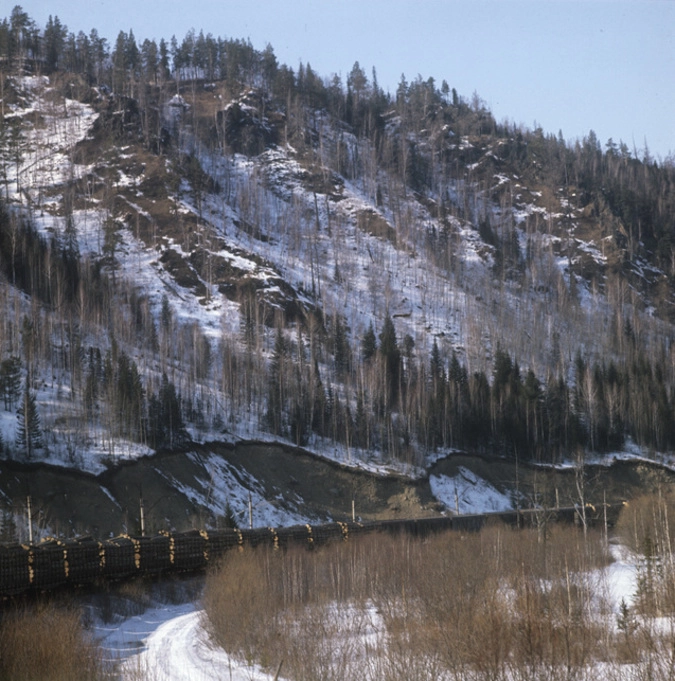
(46, 160)
(226, 486)
(467, 493)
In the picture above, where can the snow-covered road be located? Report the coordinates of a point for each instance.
(168, 643)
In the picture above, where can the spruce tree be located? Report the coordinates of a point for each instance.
(368, 344)
(111, 244)
(391, 357)
(166, 427)
(10, 381)
(276, 392)
(341, 347)
(129, 397)
(361, 424)
(436, 365)
(70, 254)
(172, 413)
(28, 431)
(165, 315)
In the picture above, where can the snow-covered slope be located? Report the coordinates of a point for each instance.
(211, 251)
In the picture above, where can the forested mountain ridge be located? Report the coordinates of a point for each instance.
(197, 242)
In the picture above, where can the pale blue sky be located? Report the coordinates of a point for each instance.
(568, 65)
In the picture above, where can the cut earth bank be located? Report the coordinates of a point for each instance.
(198, 487)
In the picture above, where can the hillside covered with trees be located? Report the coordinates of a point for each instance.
(198, 242)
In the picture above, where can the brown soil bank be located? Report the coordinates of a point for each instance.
(67, 502)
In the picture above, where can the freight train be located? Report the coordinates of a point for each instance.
(55, 563)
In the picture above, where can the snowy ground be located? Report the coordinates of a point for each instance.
(621, 577)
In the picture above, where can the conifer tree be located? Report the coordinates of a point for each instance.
(54, 39)
(111, 243)
(275, 394)
(341, 347)
(28, 431)
(436, 365)
(10, 381)
(368, 344)
(129, 397)
(166, 427)
(391, 360)
(70, 255)
(361, 424)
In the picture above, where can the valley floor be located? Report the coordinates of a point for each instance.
(170, 643)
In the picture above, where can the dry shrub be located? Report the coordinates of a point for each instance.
(499, 604)
(266, 606)
(647, 526)
(47, 643)
(646, 637)
(241, 602)
(648, 518)
(503, 599)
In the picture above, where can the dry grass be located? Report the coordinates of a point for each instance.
(47, 643)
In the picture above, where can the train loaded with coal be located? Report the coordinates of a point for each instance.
(55, 563)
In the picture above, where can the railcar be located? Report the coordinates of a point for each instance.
(15, 577)
(190, 550)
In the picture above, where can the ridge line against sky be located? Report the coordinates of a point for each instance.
(565, 65)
